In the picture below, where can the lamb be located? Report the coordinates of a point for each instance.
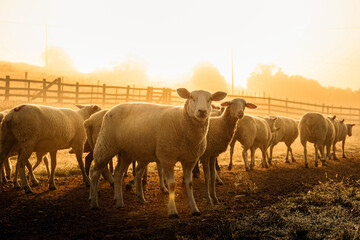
(345, 130)
(221, 131)
(38, 128)
(149, 133)
(318, 129)
(253, 132)
(287, 133)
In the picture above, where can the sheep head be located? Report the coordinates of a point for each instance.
(237, 107)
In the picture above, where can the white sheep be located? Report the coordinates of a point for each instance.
(221, 131)
(37, 128)
(253, 132)
(149, 133)
(287, 133)
(345, 130)
(318, 129)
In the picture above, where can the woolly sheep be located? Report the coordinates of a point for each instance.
(287, 133)
(345, 130)
(221, 131)
(318, 129)
(149, 133)
(38, 128)
(253, 132)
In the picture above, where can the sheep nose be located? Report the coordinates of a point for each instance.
(202, 113)
(240, 114)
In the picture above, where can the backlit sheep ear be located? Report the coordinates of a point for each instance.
(218, 96)
(225, 104)
(79, 106)
(183, 93)
(251, 105)
(334, 117)
(96, 108)
(352, 125)
(342, 120)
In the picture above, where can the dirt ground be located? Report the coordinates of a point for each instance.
(65, 214)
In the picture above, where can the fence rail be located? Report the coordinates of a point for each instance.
(58, 92)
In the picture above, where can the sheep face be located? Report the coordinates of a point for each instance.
(349, 129)
(237, 107)
(198, 104)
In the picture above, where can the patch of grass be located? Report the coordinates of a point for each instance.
(330, 210)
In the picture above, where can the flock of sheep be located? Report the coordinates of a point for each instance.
(145, 133)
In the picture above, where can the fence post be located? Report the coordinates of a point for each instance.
(127, 93)
(104, 94)
(286, 105)
(44, 90)
(77, 93)
(28, 87)
(91, 95)
(149, 94)
(7, 88)
(59, 91)
(269, 106)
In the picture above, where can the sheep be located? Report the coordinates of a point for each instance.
(221, 131)
(148, 132)
(38, 128)
(216, 111)
(345, 130)
(253, 132)
(318, 129)
(287, 133)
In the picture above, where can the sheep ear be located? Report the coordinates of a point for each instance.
(218, 96)
(352, 125)
(277, 129)
(183, 93)
(342, 121)
(79, 106)
(334, 117)
(225, 104)
(251, 105)
(96, 108)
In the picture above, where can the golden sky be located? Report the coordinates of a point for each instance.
(318, 39)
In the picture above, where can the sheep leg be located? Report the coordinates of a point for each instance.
(7, 169)
(107, 175)
(161, 177)
(305, 154)
(271, 155)
(46, 161)
(328, 150)
(187, 168)
(131, 183)
(15, 179)
(134, 168)
(252, 164)
(32, 177)
(232, 145)
(218, 179)
(126, 172)
(244, 154)
(334, 151)
(213, 180)
(196, 170)
(292, 155)
(4, 153)
(316, 155)
(206, 167)
(23, 158)
(88, 160)
(123, 162)
(264, 163)
(52, 185)
(343, 149)
(168, 167)
(144, 175)
(140, 170)
(79, 153)
(111, 167)
(217, 166)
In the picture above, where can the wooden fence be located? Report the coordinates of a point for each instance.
(60, 93)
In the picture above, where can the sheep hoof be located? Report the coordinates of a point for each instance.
(128, 187)
(248, 169)
(293, 160)
(196, 214)
(94, 207)
(16, 185)
(219, 182)
(144, 182)
(343, 156)
(287, 161)
(52, 187)
(27, 189)
(306, 165)
(174, 216)
(215, 201)
(164, 190)
(229, 167)
(316, 164)
(323, 163)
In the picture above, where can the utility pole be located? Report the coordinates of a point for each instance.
(45, 45)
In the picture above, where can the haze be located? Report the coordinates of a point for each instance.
(315, 39)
